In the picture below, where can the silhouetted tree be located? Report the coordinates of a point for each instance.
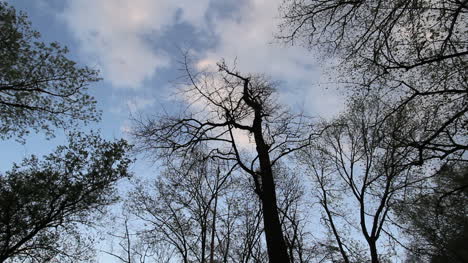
(44, 203)
(294, 213)
(182, 207)
(198, 204)
(133, 247)
(232, 103)
(360, 171)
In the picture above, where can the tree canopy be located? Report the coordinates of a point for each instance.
(435, 216)
(239, 176)
(40, 88)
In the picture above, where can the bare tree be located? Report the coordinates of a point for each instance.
(360, 169)
(246, 242)
(294, 213)
(198, 204)
(232, 103)
(182, 207)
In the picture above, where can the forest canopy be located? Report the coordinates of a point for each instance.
(221, 163)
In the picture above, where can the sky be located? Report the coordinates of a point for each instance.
(137, 46)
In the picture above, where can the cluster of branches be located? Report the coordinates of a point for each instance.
(43, 203)
(397, 152)
(387, 175)
(358, 163)
(361, 165)
(434, 216)
(413, 51)
(364, 181)
(197, 209)
(404, 64)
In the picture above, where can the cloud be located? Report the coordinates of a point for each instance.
(249, 38)
(118, 35)
(139, 103)
(121, 36)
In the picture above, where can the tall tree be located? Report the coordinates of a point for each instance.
(44, 202)
(207, 213)
(416, 51)
(231, 104)
(360, 171)
(40, 88)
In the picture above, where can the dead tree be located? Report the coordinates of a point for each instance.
(223, 104)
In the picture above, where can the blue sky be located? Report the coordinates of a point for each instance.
(136, 46)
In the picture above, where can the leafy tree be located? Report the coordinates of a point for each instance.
(40, 88)
(435, 216)
(43, 203)
(414, 51)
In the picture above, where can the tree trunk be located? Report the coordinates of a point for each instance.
(277, 251)
(213, 230)
(203, 241)
(374, 254)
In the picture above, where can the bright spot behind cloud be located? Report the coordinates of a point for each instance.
(249, 39)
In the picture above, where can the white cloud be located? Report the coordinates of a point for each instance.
(115, 34)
